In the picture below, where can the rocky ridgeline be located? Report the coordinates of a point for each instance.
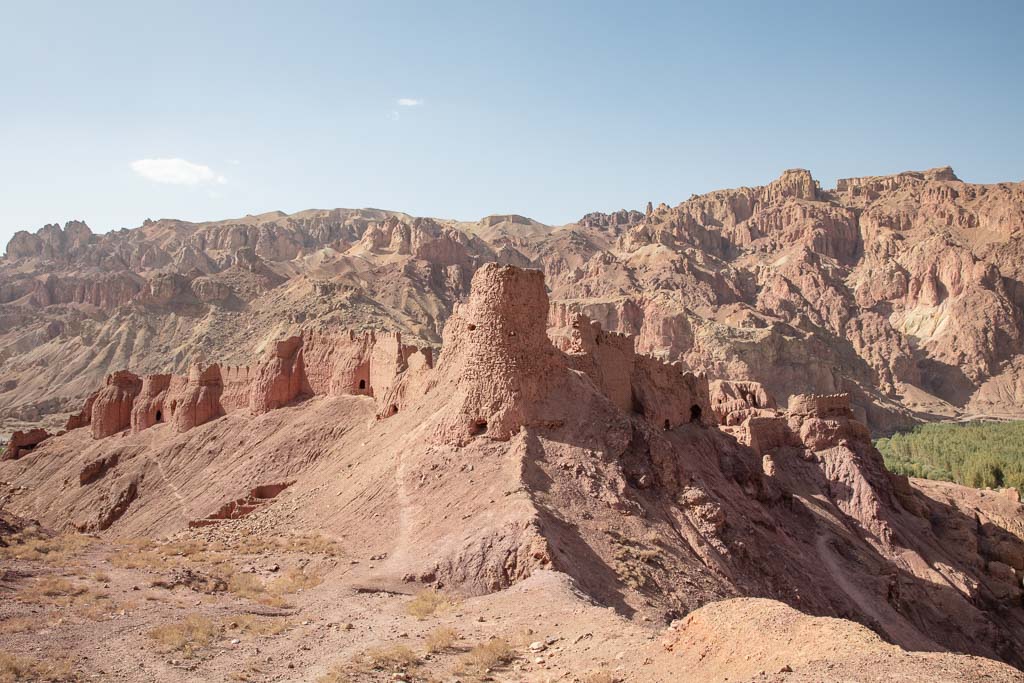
(902, 290)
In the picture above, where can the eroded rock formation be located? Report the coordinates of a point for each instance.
(899, 290)
(21, 443)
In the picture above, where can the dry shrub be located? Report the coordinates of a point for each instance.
(522, 637)
(137, 543)
(182, 548)
(96, 606)
(145, 553)
(188, 636)
(53, 589)
(309, 543)
(31, 545)
(427, 602)
(59, 592)
(337, 674)
(246, 586)
(21, 625)
(252, 587)
(138, 559)
(487, 655)
(293, 581)
(14, 668)
(441, 638)
(391, 657)
(101, 577)
(189, 551)
(258, 626)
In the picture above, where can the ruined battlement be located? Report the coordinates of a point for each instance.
(313, 362)
(820, 405)
(498, 339)
(763, 433)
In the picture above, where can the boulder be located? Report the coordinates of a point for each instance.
(21, 443)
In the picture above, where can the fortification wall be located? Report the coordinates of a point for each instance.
(820, 405)
(237, 387)
(148, 407)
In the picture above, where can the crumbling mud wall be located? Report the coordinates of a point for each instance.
(314, 363)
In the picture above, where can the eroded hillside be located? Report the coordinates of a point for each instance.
(902, 290)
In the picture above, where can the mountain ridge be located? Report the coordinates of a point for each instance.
(902, 290)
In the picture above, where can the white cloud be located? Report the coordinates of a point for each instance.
(409, 102)
(176, 172)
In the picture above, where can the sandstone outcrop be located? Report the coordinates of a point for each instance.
(21, 443)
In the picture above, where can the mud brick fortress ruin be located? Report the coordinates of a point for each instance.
(509, 359)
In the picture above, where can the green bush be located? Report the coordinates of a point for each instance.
(978, 454)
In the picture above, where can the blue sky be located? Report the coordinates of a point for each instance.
(116, 112)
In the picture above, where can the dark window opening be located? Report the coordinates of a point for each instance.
(159, 416)
(362, 384)
(668, 425)
(478, 428)
(695, 413)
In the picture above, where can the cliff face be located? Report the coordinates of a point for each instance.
(903, 291)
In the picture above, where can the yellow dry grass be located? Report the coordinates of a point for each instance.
(29, 545)
(271, 593)
(441, 638)
(427, 602)
(250, 624)
(14, 668)
(188, 636)
(337, 674)
(487, 655)
(57, 592)
(390, 657)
